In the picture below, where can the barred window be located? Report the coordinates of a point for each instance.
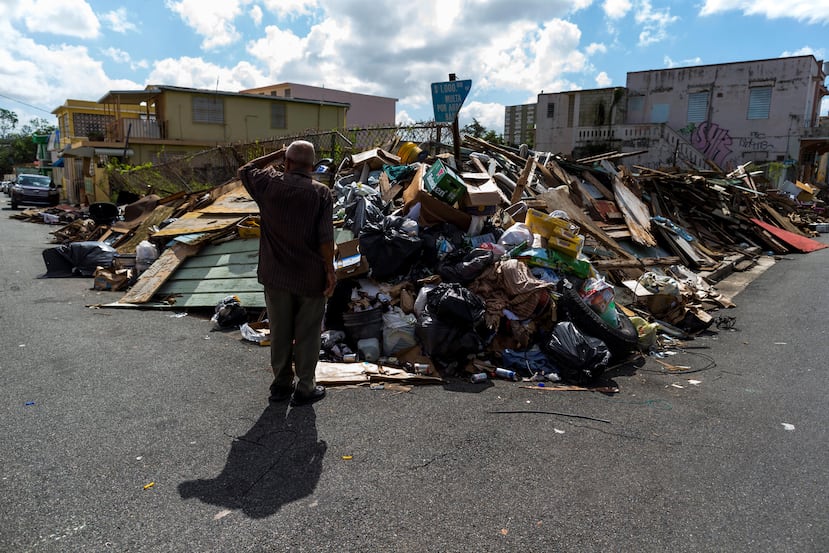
(759, 102)
(698, 107)
(208, 110)
(278, 116)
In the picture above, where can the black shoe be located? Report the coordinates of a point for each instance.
(280, 393)
(301, 399)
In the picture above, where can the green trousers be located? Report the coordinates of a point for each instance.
(295, 324)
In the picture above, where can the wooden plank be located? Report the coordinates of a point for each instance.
(603, 190)
(214, 260)
(635, 212)
(198, 222)
(237, 201)
(227, 286)
(221, 272)
(782, 222)
(158, 273)
(522, 181)
(159, 214)
(609, 264)
(560, 199)
(247, 299)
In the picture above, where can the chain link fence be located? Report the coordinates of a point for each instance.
(218, 165)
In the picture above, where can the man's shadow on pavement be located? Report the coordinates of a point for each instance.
(277, 461)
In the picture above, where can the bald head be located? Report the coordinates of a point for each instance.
(301, 153)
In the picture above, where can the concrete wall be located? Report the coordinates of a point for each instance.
(557, 131)
(727, 135)
(365, 111)
(246, 118)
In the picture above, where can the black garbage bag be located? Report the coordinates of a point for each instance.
(362, 211)
(466, 269)
(390, 251)
(454, 304)
(77, 259)
(580, 357)
(445, 342)
(440, 238)
(229, 313)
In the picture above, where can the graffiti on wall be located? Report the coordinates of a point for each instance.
(713, 141)
(755, 142)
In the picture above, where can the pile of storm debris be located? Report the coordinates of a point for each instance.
(494, 262)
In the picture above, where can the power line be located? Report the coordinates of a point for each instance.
(25, 104)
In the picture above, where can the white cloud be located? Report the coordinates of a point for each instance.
(812, 11)
(490, 115)
(198, 73)
(595, 48)
(654, 23)
(818, 53)
(118, 21)
(23, 60)
(211, 19)
(403, 118)
(256, 15)
(616, 9)
(116, 54)
(670, 64)
(603, 80)
(73, 18)
(290, 8)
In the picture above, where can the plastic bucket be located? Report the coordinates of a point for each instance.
(409, 152)
(364, 324)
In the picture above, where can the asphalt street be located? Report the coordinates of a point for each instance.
(134, 430)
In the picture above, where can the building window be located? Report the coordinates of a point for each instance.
(551, 110)
(636, 103)
(659, 113)
(278, 116)
(287, 92)
(698, 107)
(759, 102)
(208, 110)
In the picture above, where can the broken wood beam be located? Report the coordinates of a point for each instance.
(640, 262)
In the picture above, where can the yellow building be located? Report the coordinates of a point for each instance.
(160, 122)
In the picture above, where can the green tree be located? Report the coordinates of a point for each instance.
(18, 148)
(8, 121)
(475, 129)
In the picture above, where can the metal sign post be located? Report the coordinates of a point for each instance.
(447, 99)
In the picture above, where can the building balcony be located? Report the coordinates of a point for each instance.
(125, 129)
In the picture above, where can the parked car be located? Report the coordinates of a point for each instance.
(5, 186)
(34, 190)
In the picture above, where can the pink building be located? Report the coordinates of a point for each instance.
(763, 111)
(365, 110)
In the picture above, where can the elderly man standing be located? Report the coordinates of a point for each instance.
(296, 264)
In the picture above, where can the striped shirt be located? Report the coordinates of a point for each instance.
(296, 218)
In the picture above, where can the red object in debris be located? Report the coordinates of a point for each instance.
(800, 243)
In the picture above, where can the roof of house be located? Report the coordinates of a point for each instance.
(151, 91)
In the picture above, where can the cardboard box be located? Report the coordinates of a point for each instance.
(432, 210)
(443, 183)
(109, 280)
(348, 261)
(481, 190)
(375, 158)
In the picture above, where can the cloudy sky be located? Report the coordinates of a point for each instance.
(51, 50)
